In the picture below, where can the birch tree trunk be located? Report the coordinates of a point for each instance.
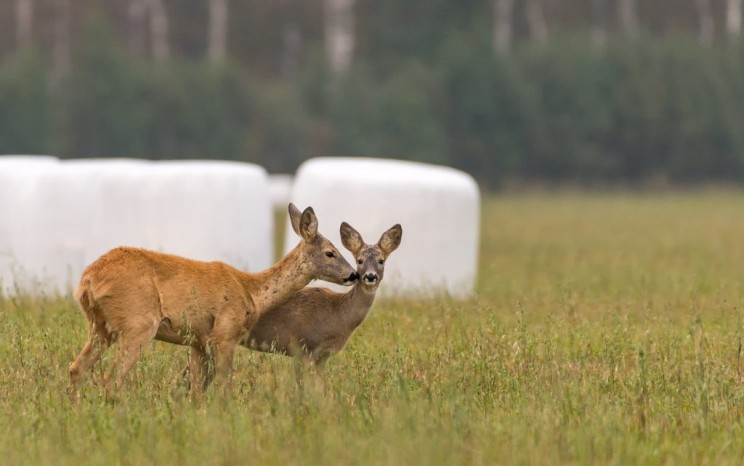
(159, 31)
(24, 22)
(137, 13)
(503, 11)
(628, 13)
(733, 19)
(339, 34)
(599, 23)
(217, 33)
(536, 21)
(61, 52)
(707, 26)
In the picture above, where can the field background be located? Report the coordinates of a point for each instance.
(606, 330)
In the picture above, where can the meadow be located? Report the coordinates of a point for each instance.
(607, 329)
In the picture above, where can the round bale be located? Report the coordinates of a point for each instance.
(438, 208)
(19, 183)
(204, 210)
(200, 210)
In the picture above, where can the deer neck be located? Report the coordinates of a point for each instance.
(356, 304)
(275, 284)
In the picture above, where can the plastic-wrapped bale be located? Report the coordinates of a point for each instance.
(221, 211)
(201, 210)
(19, 181)
(204, 210)
(10, 160)
(438, 208)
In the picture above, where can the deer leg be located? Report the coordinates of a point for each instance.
(186, 376)
(88, 357)
(320, 361)
(198, 373)
(98, 341)
(131, 344)
(201, 368)
(225, 336)
(223, 361)
(301, 362)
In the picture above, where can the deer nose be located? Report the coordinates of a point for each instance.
(353, 277)
(370, 278)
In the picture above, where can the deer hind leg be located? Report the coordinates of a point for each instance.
(98, 340)
(131, 343)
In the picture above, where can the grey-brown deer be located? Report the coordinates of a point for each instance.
(315, 323)
(134, 295)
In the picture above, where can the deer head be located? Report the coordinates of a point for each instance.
(319, 257)
(370, 258)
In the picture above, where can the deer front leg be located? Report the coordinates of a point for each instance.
(302, 362)
(201, 367)
(320, 359)
(223, 360)
(226, 334)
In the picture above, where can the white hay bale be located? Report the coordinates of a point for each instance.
(438, 208)
(83, 208)
(8, 160)
(225, 213)
(19, 179)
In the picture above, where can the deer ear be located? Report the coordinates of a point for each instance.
(390, 240)
(350, 238)
(308, 228)
(294, 218)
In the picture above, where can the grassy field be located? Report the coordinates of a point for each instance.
(607, 330)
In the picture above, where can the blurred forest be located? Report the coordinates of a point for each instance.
(578, 91)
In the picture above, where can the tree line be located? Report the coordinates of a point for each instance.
(561, 90)
(289, 31)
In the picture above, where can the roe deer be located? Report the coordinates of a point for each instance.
(134, 295)
(315, 323)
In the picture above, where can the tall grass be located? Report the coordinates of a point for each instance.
(607, 330)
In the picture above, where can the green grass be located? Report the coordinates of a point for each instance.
(607, 330)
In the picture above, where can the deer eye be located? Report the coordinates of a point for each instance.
(381, 261)
(330, 254)
(360, 262)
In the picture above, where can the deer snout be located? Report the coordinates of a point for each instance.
(352, 278)
(370, 278)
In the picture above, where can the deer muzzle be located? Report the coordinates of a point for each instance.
(352, 278)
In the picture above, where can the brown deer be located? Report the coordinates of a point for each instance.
(134, 295)
(315, 323)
